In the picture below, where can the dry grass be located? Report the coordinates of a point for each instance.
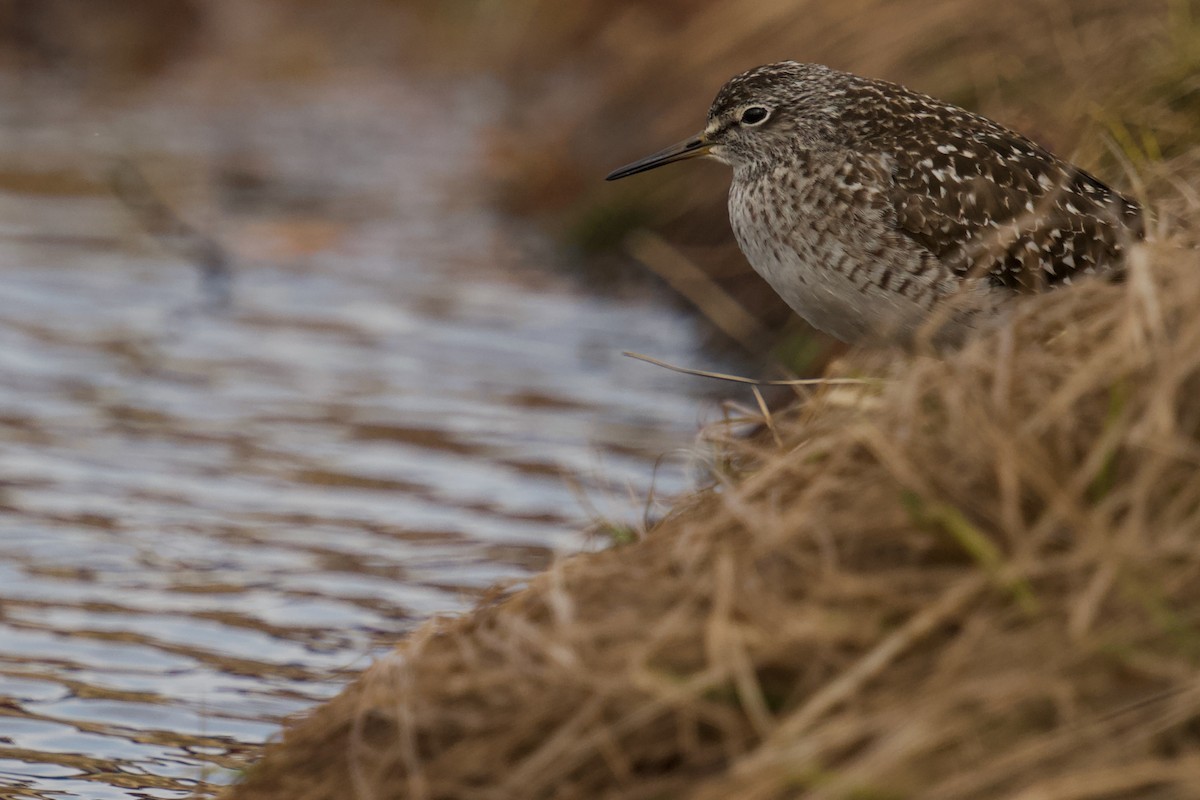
(976, 578)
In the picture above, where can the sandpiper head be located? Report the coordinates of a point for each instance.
(758, 117)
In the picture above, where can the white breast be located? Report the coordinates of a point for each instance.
(834, 257)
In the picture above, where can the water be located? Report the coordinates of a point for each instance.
(212, 517)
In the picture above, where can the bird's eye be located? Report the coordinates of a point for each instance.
(754, 115)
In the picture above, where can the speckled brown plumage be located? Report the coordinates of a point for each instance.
(867, 205)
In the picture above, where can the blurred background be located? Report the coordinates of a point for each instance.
(311, 316)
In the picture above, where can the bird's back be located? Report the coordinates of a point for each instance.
(984, 200)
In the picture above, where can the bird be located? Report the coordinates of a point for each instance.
(877, 212)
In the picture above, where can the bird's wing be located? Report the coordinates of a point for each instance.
(991, 203)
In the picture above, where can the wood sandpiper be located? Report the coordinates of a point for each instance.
(866, 205)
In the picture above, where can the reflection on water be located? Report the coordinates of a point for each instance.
(211, 518)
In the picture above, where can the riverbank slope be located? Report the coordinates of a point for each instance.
(968, 577)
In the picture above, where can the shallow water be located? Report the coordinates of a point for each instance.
(212, 516)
